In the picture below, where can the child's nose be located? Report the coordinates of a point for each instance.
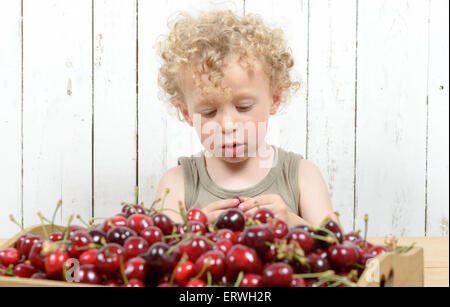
(227, 123)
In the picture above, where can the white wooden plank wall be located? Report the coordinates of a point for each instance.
(81, 121)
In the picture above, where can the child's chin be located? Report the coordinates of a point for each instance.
(233, 159)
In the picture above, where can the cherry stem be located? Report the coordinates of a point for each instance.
(8, 271)
(239, 279)
(360, 266)
(164, 199)
(58, 205)
(366, 227)
(136, 194)
(154, 203)
(323, 238)
(66, 233)
(209, 279)
(183, 259)
(271, 244)
(314, 275)
(205, 266)
(337, 279)
(329, 232)
(83, 221)
(44, 230)
(12, 219)
(174, 236)
(174, 247)
(122, 271)
(183, 215)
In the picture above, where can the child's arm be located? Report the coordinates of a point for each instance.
(174, 181)
(314, 203)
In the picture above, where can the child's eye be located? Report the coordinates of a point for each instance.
(243, 108)
(209, 114)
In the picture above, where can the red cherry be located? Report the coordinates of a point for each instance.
(198, 283)
(56, 236)
(272, 251)
(88, 257)
(39, 275)
(280, 228)
(35, 257)
(136, 268)
(263, 215)
(80, 241)
(73, 229)
(251, 280)
(371, 253)
(134, 246)
(115, 221)
(223, 245)
(214, 262)
(108, 258)
(166, 285)
(238, 237)
(298, 282)
(195, 227)
(152, 235)
(88, 275)
(243, 258)
(27, 244)
(277, 275)
(24, 270)
(233, 219)
(20, 241)
(127, 211)
(139, 222)
(197, 215)
(194, 248)
(352, 236)
(303, 238)
(9, 256)
(342, 256)
(184, 272)
(54, 265)
(134, 283)
(226, 234)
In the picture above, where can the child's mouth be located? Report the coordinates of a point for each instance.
(232, 149)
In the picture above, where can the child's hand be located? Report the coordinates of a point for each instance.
(273, 202)
(213, 210)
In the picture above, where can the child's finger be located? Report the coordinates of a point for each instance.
(254, 202)
(222, 204)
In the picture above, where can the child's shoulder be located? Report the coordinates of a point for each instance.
(173, 175)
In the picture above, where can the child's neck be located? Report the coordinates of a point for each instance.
(240, 175)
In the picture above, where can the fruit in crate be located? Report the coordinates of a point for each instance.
(145, 247)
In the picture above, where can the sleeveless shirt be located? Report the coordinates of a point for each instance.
(282, 179)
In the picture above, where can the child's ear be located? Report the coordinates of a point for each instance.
(182, 107)
(276, 100)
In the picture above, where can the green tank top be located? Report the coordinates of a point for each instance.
(282, 179)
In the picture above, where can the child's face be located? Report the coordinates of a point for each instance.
(221, 121)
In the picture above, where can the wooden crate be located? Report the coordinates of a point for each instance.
(387, 270)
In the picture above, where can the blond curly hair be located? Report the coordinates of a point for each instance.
(208, 39)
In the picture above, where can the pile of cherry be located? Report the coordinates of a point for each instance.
(143, 247)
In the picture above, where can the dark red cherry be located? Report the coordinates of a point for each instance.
(163, 222)
(159, 260)
(342, 257)
(119, 235)
(298, 282)
(36, 258)
(257, 237)
(97, 236)
(317, 264)
(128, 210)
(80, 242)
(233, 219)
(277, 274)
